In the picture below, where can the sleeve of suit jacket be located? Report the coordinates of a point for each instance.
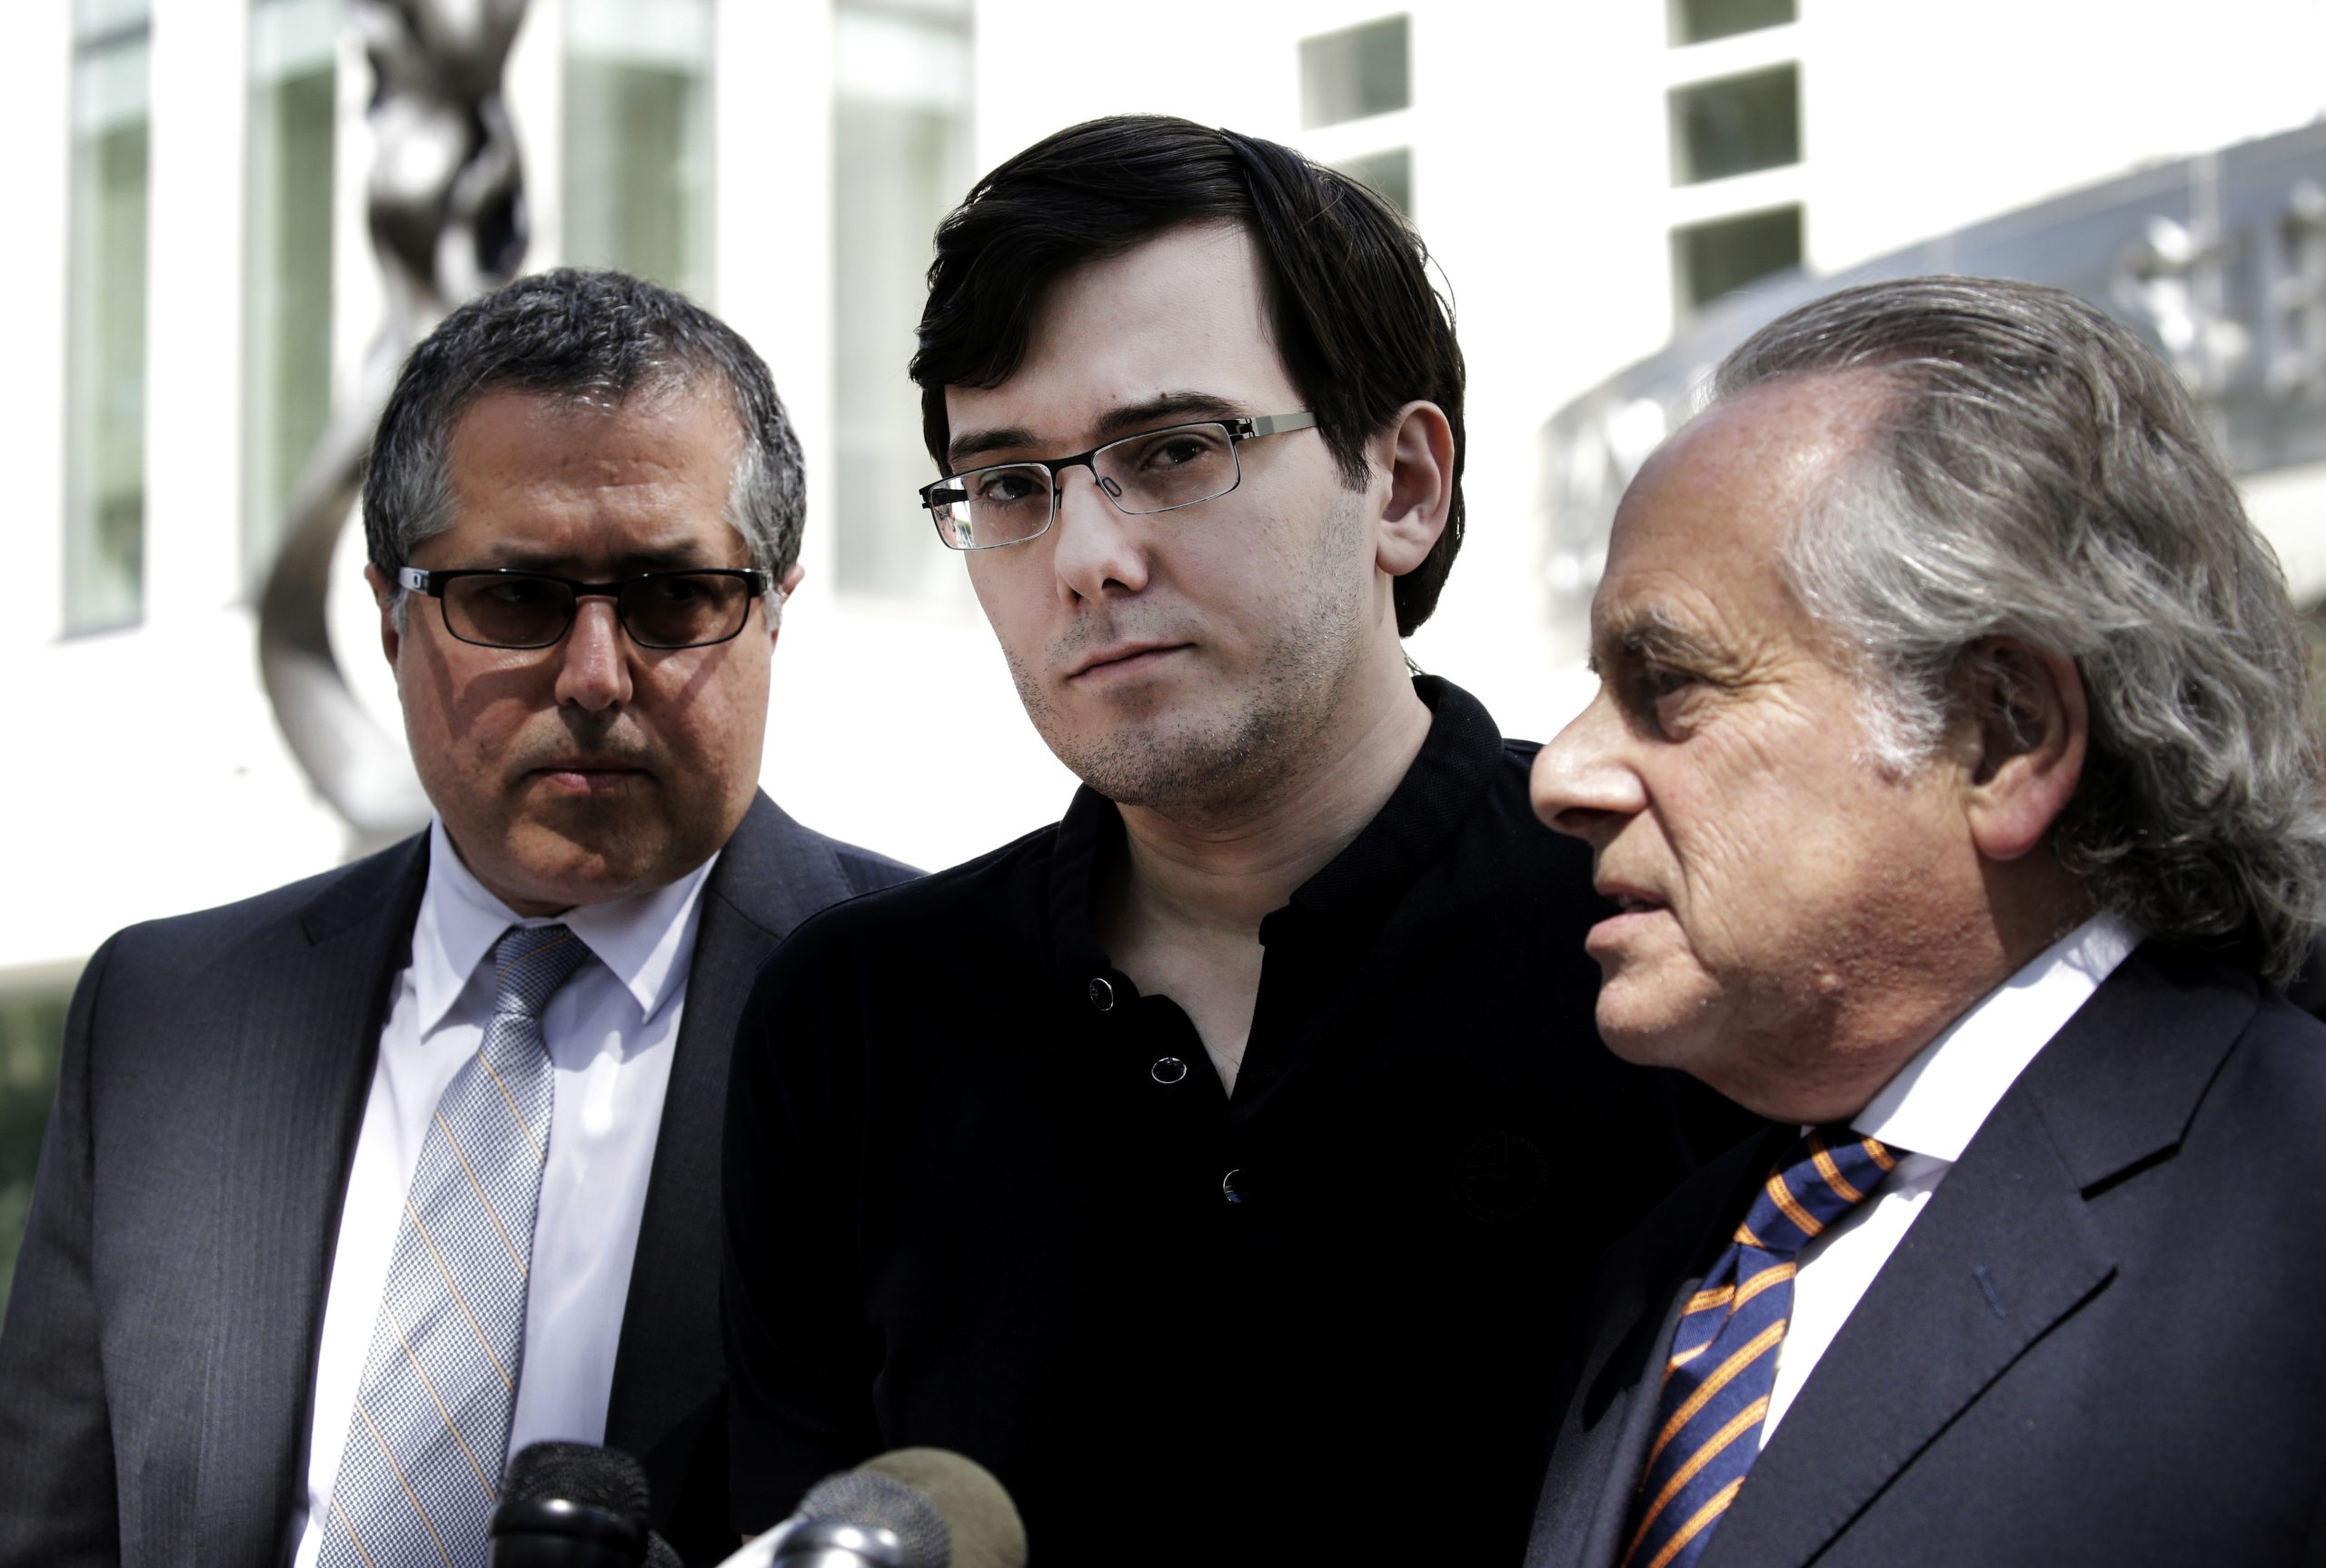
(57, 1469)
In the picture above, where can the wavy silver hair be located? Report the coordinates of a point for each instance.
(2036, 472)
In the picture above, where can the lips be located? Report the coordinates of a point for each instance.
(1628, 900)
(1122, 658)
(586, 772)
(587, 778)
(1638, 920)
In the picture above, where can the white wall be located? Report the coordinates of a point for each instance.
(148, 776)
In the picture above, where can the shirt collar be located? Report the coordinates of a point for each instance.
(645, 940)
(1437, 793)
(1939, 1099)
(1408, 834)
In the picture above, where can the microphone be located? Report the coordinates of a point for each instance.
(912, 1508)
(574, 1505)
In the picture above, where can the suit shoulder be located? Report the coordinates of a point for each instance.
(196, 940)
(2275, 1080)
(989, 891)
(868, 870)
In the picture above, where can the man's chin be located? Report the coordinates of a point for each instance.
(1163, 767)
(1647, 1028)
(544, 871)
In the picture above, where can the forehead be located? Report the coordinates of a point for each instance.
(1184, 314)
(654, 467)
(1697, 535)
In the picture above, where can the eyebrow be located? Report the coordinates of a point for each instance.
(525, 556)
(1124, 419)
(1648, 634)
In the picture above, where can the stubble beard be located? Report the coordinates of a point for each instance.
(1227, 756)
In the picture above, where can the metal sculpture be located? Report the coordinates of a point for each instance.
(446, 211)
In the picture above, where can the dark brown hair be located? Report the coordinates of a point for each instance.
(1361, 330)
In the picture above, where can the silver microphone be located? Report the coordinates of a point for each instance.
(913, 1508)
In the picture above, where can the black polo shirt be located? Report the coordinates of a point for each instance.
(983, 1194)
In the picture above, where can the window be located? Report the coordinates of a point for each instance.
(2295, 337)
(286, 306)
(1700, 21)
(1355, 72)
(1736, 124)
(902, 151)
(1711, 259)
(1387, 175)
(637, 180)
(104, 422)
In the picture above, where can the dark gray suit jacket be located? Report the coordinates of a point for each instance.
(2099, 1344)
(157, 1366)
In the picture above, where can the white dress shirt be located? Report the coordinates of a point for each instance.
(611, 1030)
(1926, 1115)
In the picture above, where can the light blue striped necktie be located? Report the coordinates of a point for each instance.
(421, 1469)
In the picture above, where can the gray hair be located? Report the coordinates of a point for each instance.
(581, 337)
(2036, 472)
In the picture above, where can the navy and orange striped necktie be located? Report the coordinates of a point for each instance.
(1724, 1358)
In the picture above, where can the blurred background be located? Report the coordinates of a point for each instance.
(1614, 193)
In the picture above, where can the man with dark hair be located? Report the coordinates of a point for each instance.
(1955, 774)
(1209, 1163)
(353, 1187)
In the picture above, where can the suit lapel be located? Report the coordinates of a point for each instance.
(771, 875)
(2006, 1248)
(296, 1050)
(1595, 1461)
(1925, 1341)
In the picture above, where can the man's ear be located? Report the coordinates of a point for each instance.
(385, 594)
(784, 590)
(2030, 730)
(1418, 450)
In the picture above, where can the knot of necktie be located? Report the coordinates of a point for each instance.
(530, 963)
(1827, 1174)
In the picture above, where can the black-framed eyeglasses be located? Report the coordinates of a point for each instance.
(495, 608)
(1154, 470)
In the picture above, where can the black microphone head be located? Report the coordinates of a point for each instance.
(871, 1501)
(580, 1472)
(983, 1523)
(570, 1505)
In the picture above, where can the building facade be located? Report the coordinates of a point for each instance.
(198, 289)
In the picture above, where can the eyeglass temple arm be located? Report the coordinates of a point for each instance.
(1273, 425)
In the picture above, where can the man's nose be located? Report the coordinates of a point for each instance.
(1581, 784)
(593, 659)
(1098, 550)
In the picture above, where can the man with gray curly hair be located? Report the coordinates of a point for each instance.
(1952, 777)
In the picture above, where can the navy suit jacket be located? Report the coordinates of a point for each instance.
(156, 1367)
(2101, 1342)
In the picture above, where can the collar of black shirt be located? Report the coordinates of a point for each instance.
(1358, 886)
